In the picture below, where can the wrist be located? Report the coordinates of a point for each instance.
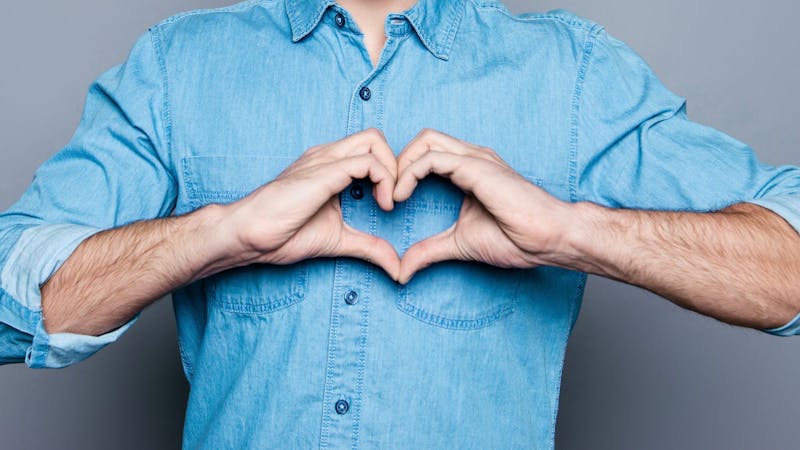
(213, 231)
(583, 231)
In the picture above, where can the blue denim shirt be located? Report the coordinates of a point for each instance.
(331, 352)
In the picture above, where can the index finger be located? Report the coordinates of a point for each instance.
(370, 140)
(426, 140)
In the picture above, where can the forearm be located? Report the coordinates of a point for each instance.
(740, 265)
(116, 273)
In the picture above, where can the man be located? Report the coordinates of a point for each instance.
(544, 152)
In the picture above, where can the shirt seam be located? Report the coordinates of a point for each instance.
(39, 348)
(166, 115)
(223, 9)
(27, 314)
(330, 355)
(577, 297)
(575, 22)
(444, 46)
(362, 353)
(574, 140)
(306, 27)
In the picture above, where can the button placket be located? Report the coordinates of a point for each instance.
(347, 341)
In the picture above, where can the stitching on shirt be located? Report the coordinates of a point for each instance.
(388, 65)
(25, 313)
(187, 364)
(425, 40)
(440, 47)
(310, 25)
(575, 111)
(362, 354)
(476, 321)
(333, 329)
(453, 323)
(223, 9)
(487, 4)
(579, 289)
(381, 101)
(385, 70)
(443, 47)
(155, 40)
(588, 45)
(40, 342)
(575, 22)
(432, 206)
(269, 302)
(191, 188)
(292, 15)
(296, 296)
(43, 346)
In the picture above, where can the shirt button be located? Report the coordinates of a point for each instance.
(351, 298)
(339, 19)
(341, 407)
(365, 93)
(357, 191)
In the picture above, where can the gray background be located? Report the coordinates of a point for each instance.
(640, 372)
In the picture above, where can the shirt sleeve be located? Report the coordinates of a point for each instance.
(636, 148)
(115, 170)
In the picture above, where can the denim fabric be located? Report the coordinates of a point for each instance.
(330, 352)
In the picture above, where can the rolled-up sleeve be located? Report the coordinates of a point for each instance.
(788, 207)
(115, 170)
(636, 148)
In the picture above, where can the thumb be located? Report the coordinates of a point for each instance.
(357, 244)
(437, 248)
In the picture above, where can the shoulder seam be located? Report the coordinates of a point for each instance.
(574, 22)
(223, 9)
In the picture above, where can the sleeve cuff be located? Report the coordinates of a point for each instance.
(36, 256)
(786, 206)
(58, 350)
(790, 329)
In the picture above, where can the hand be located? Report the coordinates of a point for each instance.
(297, 215)
(504, 221)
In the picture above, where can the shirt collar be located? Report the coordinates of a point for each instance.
(435, 21)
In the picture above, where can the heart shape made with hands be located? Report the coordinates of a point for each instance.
(504, 220)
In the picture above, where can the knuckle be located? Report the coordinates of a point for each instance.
(323, 151)
(372, 134)
(427, 132)
(430, 156)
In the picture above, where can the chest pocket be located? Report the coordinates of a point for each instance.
(453, 294)
(257, 288)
